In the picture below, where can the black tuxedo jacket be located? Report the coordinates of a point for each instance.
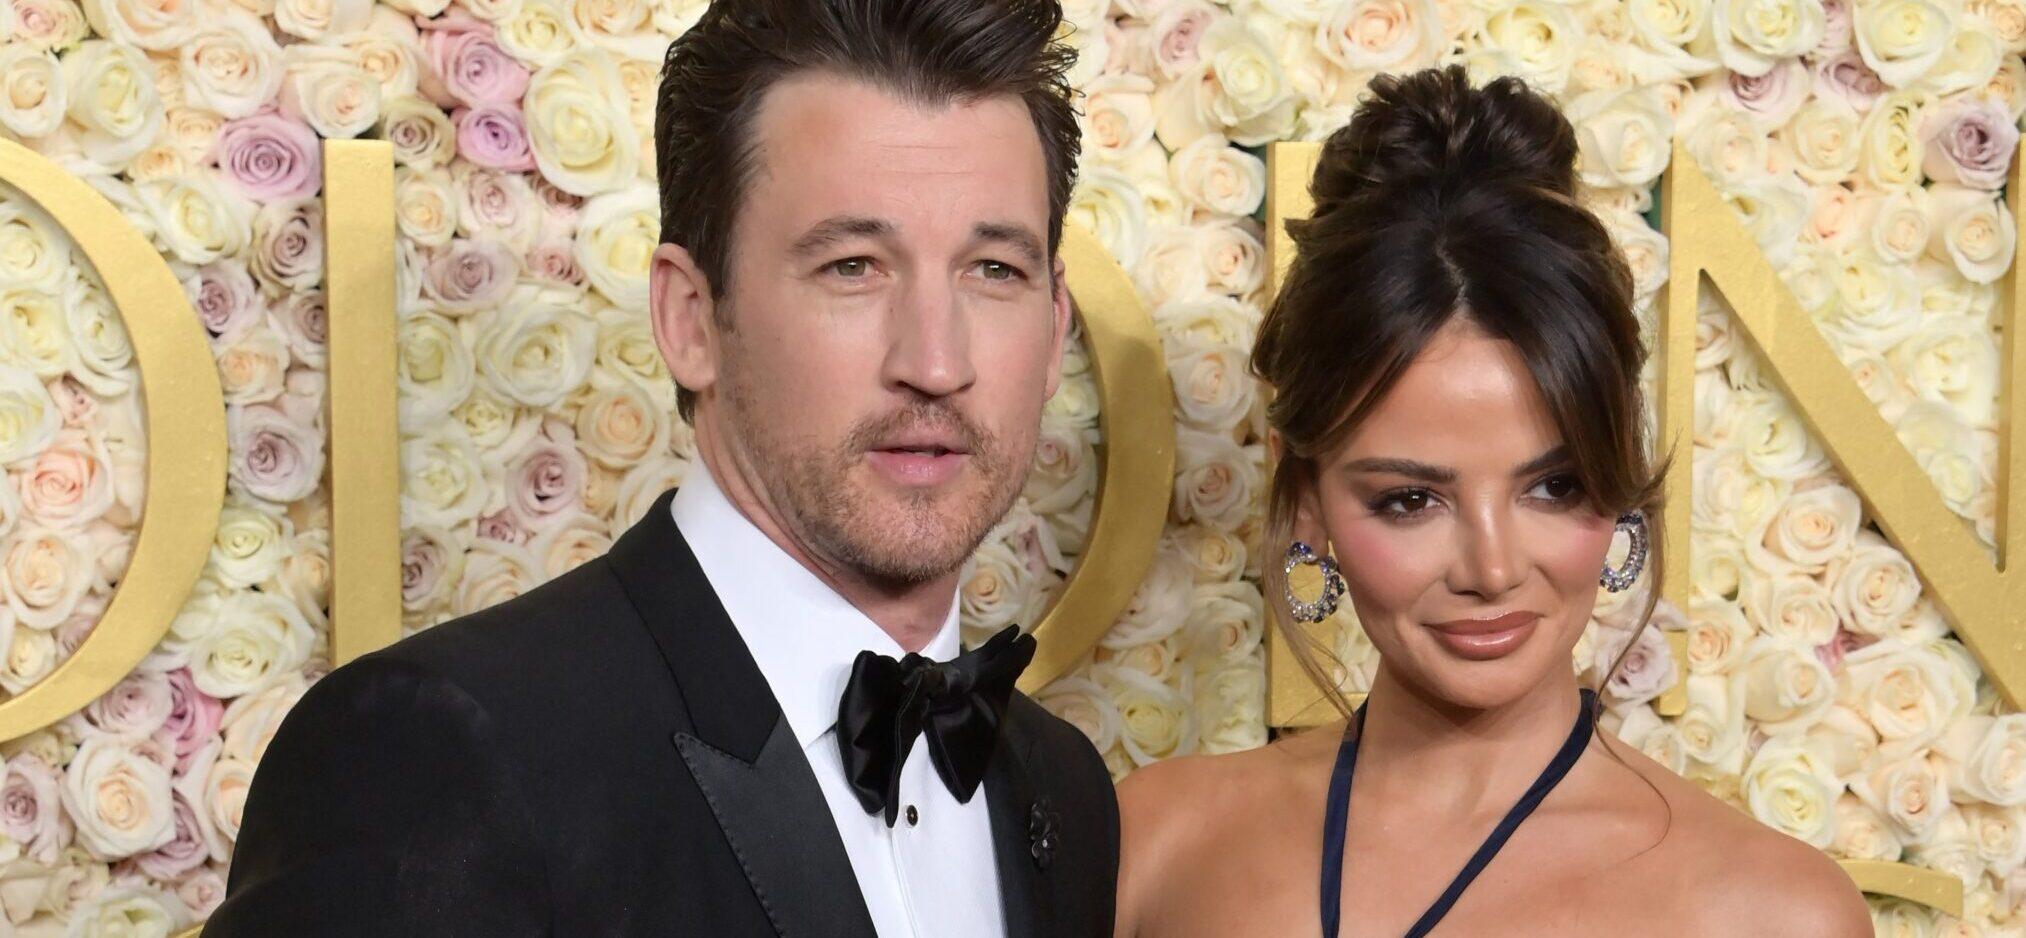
(601, 756)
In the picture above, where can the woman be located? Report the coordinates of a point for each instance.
(1458, 419)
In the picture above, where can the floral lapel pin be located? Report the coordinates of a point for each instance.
(1042, 835)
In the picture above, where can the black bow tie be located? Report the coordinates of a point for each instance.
(958, 704)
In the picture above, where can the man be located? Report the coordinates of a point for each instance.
(707, 732)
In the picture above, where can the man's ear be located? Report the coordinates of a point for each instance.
(1061, 310)
(684, 313)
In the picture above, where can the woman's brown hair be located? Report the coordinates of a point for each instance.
(1441, 201)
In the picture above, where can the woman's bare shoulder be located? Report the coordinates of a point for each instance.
(1754, 880)
(1160, 796)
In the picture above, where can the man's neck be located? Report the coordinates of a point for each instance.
(911, 614)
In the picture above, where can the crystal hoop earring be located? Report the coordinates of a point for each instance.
(1621, 579)
(1324, 605)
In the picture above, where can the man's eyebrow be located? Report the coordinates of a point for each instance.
(1019, 237)
(838, 228)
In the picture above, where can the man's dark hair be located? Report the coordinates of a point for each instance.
(932, 51)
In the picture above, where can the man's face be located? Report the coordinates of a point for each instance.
(893, 325)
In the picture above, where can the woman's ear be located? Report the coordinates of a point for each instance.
(1300, 473)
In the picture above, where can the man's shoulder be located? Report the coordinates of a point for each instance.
(576, 632)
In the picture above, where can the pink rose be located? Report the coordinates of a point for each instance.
(304, 323)
(427, 565)
(505, 525)
(192, 722)
(1645, 670)
(31, 811)
(466, 66)
(1837, 31)
(77, 404)
(225, 299)
(288, 244)
(470, 275)
(499, 205)
(493, 136)
(556, 263)
(274, 457)
(559, 208)
(546, 478)
(1771, 98)
(137, 706)
(1176, 34)
(185, 850)
(1969, 141)
(270, 157)
(70, 484)
(1847, 77)
(202, 892)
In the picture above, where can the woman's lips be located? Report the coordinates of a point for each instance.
(1485, 639)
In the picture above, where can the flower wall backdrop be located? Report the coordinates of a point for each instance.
(1865, 144)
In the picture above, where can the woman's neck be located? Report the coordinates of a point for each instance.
(1461, 762)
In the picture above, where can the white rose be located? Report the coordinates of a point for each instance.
(1874, 587)
(257, 638)
(1081, 703)
(425, 206)
(1901, 227)
(1893, 147)
(1813, 527)
(103, 349)
(1824, 135)
(616, 237)
(1216, 480)
(443, 482)
(583, 140)
(645, 483)
(1862, 833)
(1790, 787)
(1118, 116)
(424, 139)
(249, 545)
(1902, 39)
(434, 367)
(1106, 204)
(1230, 708)
(1713, 726)
(619, 425)
(1948, 450)
(1213, 384)
(1718, 569)
(196, 220)
(315, 19)
(1156, 720)
(253, 369)
(1787, 687)
(1541, 39)
(1986, 758)
(1730, 496)
(33, 93)
(28, 417)
(1159, 607)
(1625, 136)
(30, 658)
(37, 333)
(995, 586)
(1382, 35)
(538, 32)
(1909, 792)
(1999, 834)
(45, 576)
(494, 572)
(568, 544)
(1214, 320)
(1065, 466)
(1752, 35)
(1973, 231)
(1172, 266)
(1241, 91)
(325, 88)
(251, 721)
(149, 24)
(1906, 692)
(1776, 443)
(225, 795)
(1954, 360)
(389, 49)
(1775, 209)
(113, 101)
(534, 349)
(128, 909)
(119, 799)
(1657, 739)
(231, 64)
(1234, 256)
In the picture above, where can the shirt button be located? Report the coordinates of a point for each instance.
(913, 816)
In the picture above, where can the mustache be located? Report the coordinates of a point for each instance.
(922, 417)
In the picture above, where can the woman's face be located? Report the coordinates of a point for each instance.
(1462, 529)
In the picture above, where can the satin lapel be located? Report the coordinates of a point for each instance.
(774, 816)
(736, 744)
(1013, 797)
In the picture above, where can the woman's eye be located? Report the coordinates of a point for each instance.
(1557, 488)
(1404, 503)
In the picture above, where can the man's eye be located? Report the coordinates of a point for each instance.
(853, 267)
(994, 270)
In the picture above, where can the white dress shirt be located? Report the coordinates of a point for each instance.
(933, 874)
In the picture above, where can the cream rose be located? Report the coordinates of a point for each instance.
(1986, 758)
(1893, 148)
(1972, 231)
(1382, 35)
(1159, 607)
(1107, 204)
(1874, 587)
(1231, 708)
(326, 89)
(534, 350)
(616, 237)
(1787, 687)
(45, 576)
(1625, 136)
(425, 206)
(29, 418)
(1902, 226)
(33, 93)
(231, 64)
(1216, 480)
(1241, 91)
(1863, 833)
(1156, 720)
(1065, 466)
(69, 485)
(1789, 786)
(424, 139)
(619, 425)
(1954, 360)
(149, 24)
(1118, 116)
(1813, 527)
(1824, 135)
(1907, 693)
(196, 220)
(1541, 38)
(583, 140)
(253, 369)
(443, 482)
(1081, 703)
(1214, 388)
(1753, 35)
(120, 799)
(1713, 727)
(494, 572)
(538, 32)
(315, 20)
(113, 101)
(1172, 266)
(1909, 792)
(1902, 39)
